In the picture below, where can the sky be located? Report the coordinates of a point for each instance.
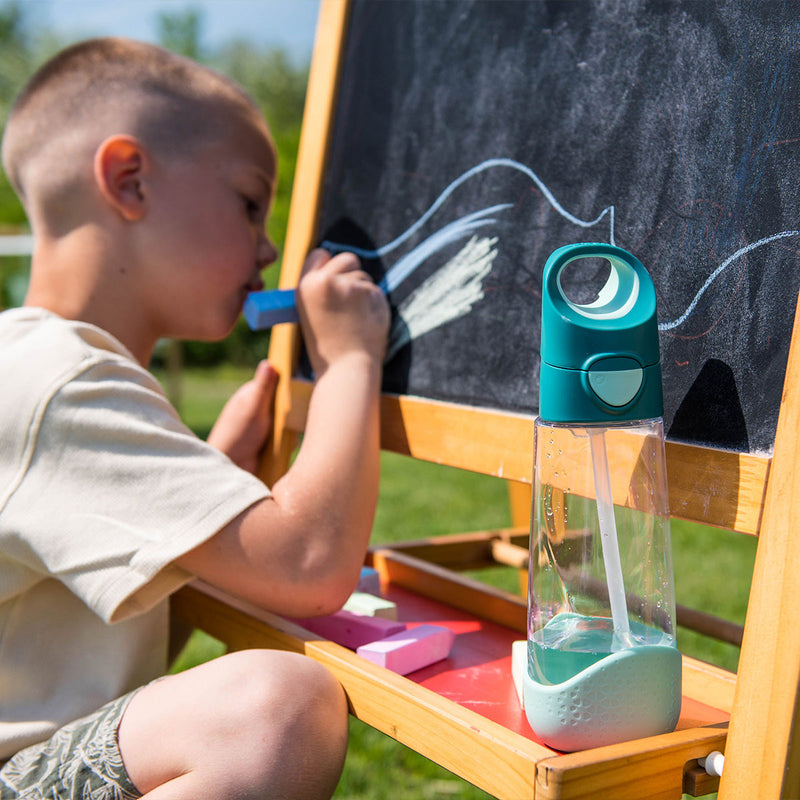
(283, 23)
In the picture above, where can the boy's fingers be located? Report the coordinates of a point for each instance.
(345, 262)
(316, 259)
(266, 376)
(340, 263)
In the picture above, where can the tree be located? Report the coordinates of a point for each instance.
(180, 32)
(16, 64)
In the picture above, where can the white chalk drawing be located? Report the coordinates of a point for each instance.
(667, 326)
(455, 288)
(452, 232)
(446, 295)
(491, 163)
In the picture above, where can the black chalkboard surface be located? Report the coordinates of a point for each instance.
(472, 138)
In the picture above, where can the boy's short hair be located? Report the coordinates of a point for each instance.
(106, 86)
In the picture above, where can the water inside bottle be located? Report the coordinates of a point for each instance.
(569, 643)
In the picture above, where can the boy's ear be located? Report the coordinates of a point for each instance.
(119, 170)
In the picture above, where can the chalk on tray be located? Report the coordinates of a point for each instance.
(351, 630)
(519, 663)
(369, 581)
(262, 310)
(369, 605)
(410, 650)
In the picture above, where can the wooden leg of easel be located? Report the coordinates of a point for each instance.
(519, 500)
(762, 756)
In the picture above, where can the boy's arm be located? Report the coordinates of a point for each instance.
(299, 552)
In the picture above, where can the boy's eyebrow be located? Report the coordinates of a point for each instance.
(269, 179)
(254, 175)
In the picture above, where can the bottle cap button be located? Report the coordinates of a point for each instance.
(616, 387)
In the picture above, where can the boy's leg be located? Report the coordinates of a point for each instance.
(253, 724)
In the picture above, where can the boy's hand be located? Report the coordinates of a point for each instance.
(341, 310)
(245, 423)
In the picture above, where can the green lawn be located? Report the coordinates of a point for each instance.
(712, 568)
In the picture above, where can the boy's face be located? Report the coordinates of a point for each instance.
(208, 214)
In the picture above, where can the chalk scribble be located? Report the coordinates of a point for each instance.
(446, 295)
(455, 288)
(667, 326)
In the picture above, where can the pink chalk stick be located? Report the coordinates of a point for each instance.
(410, 650)
(352, 630)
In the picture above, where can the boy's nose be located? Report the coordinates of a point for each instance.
(267, 253)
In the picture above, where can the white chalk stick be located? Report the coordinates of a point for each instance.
(351, 630)
(411, 650)
(519, 663)
(370, 581)
(368, 605)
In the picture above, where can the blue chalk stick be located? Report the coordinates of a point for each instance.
(369, 581)
(262, 310)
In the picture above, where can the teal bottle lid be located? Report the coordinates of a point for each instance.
(600, 362)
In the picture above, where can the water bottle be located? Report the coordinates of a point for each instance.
(603, 665)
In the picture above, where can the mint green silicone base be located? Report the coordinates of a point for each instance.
(627, 695)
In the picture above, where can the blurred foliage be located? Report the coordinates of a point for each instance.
(17, 60)
(270, 77)
(181, 33)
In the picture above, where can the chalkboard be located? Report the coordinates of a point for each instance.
(472, 138)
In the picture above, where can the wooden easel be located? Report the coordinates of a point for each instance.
(743, 493)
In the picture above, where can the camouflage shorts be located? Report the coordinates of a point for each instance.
(81, 760)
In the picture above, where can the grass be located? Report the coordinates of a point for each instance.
(713, 570)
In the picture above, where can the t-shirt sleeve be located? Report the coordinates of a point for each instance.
(116, 488)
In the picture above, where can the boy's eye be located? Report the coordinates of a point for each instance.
(252, 207)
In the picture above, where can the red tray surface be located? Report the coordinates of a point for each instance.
(477, 674)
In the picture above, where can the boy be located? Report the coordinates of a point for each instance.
(147, 180)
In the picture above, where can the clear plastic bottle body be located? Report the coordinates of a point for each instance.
(602, 661)
(600, 577)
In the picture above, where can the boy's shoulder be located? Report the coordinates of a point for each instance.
(37, 332)
(40, 352)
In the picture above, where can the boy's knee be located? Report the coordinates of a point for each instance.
(294, 686)
(258, 723)
(293, 714)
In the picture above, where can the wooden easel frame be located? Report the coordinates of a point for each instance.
(744, 493)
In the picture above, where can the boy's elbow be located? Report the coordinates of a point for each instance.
(335, 589)
(326, 597)
(330, 603)
(331, 577)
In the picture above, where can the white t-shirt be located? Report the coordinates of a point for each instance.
(101, 488)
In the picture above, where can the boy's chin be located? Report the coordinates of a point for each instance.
(219, 331)
(214, 337)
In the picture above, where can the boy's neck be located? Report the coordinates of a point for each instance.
(76, 277)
